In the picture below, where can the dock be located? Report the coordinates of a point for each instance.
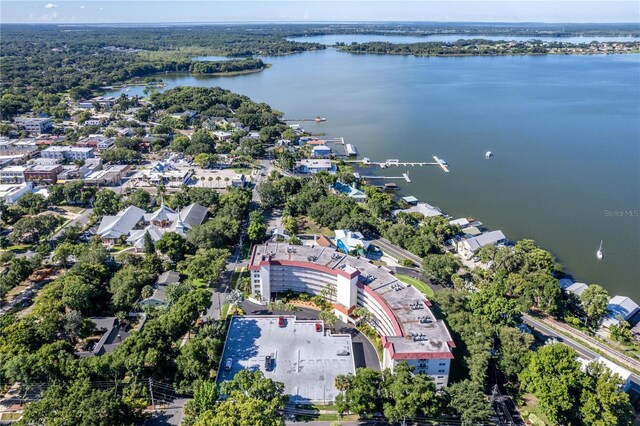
(405, 177)
(388, 163)
(443, 164)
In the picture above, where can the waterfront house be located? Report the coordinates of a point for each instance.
(427, 210)
(469, 246)
(577, 289)
(321, 151)
(350, 191)
(311, 165)
(619, 308)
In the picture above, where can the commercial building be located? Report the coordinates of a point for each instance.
(10, 193)
(401, 315)
(36, 125)
(12, 174)
(299, 353)
(67, 153)
(43, 173)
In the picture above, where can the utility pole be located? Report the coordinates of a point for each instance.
(153, 403)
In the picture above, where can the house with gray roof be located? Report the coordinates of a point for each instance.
(469, 246)
(159, 296)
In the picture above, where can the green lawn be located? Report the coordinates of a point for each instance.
(423, 287)
(19, 247)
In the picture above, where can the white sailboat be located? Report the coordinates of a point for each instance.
(599, 253)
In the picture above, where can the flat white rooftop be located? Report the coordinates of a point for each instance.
(305, 360)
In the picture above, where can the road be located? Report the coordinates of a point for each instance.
(580, 348)
(395, 251)
(81, 221)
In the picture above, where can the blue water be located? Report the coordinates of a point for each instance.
(565, 131)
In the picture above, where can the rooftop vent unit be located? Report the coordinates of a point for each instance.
(312, 258)
(397, 286)
(420, 338)
(425, 320)
(417, 305)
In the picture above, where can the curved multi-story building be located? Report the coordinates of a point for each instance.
(401, 315)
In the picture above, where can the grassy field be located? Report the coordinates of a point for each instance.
(423, 287)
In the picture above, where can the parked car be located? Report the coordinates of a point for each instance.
(227, 364)
(268, 363)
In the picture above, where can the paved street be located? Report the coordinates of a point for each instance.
(81, 220)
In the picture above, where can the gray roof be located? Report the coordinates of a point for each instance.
(193, 214)
(120, 224)
(169, 277)
(485, 239)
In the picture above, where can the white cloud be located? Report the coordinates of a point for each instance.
(50, 6)
(82, 7)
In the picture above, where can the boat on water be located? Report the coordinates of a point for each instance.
(319, 119)
(599, 253)
(489, 154)
(391, 187)
(366, 161)
(350, 149)
(441, 161)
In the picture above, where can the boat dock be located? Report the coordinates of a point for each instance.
(393, 162)
(405, 177)
(443, 164)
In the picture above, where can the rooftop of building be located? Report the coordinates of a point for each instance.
(305, 360)
(408, 306)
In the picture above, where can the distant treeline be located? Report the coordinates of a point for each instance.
(477, 47)
(41, 61)
(470, 29)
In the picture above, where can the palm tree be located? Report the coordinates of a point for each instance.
(210, 179)
(218, 181)
(226, 180)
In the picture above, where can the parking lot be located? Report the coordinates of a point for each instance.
(305, 357)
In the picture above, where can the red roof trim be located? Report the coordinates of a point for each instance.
(340, 308)
(375, 296)
(307, 265)
(414, 355)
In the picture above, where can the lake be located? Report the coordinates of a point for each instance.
(565, 132)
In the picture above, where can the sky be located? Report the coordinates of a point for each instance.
(159, 11)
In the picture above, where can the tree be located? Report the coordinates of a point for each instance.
(78, 294)
(139, 198)
(126, 286)
(30, 229)
(515, 349)
(251, 399)
(621, 332)
(362, 397)
(594, 301)
(406, 394)
(32, 203)
(440, 266)
(79, 404)
(554, 377)
(174, 246)
(494, 307)
(603, 402)
(328, 317)
(257, 230)
(468, 399)
(149, 245)
(206, 265)
(107, 203)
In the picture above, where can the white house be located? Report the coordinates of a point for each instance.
(427, 210)
(311, 165)
(469, 246)
(348, 241)
(577, 288)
